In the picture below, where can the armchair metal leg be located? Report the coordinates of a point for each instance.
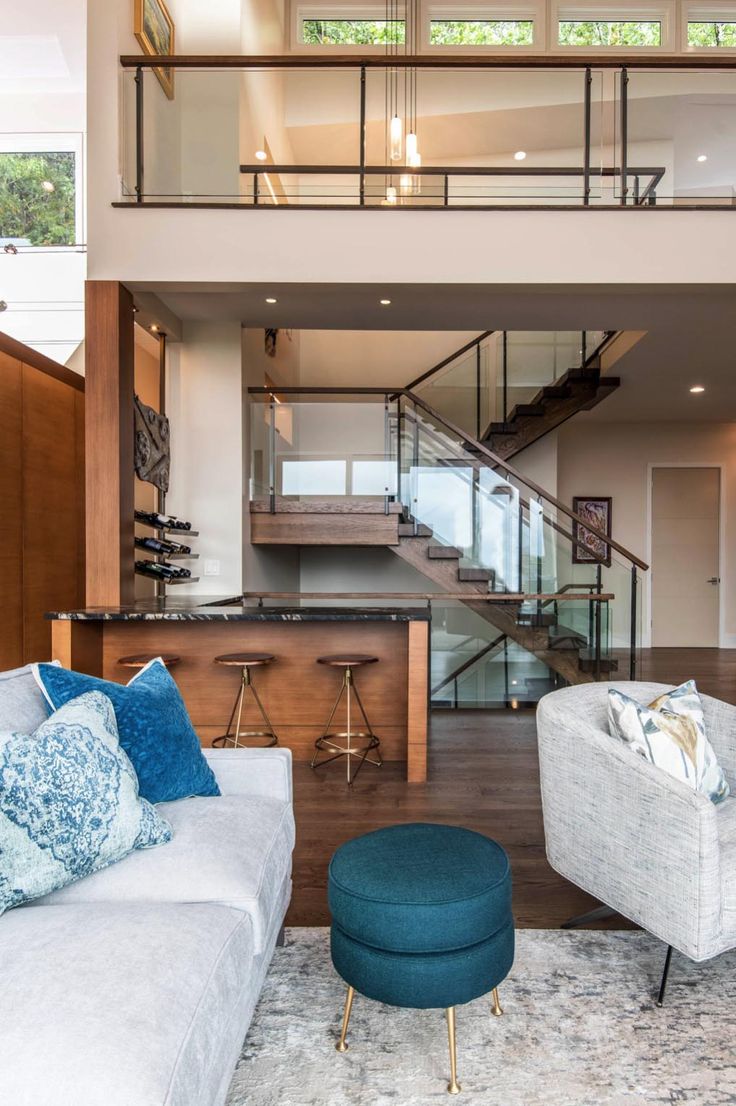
(496, 1004)
(453, 1086)
(598, 915)
(665, 975)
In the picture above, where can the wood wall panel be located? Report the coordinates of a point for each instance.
(11, 529)
(109, 359)
(51, 479)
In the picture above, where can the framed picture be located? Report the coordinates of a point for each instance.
(595, 509)
(154, 29)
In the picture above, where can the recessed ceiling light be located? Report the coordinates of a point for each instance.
(519, 155)
(702, 157)
(261, 155)
(270, 299)
(697, 389)
(385, 303)
(48, 186)
(153, 326)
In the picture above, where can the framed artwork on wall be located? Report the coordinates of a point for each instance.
(589, 548)
(154, 29)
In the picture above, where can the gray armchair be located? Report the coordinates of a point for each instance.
(628, 833)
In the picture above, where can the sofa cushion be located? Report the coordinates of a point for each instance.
(231, 850)
(122, 1005)
(155, 729)
(22, 704)
(69, 802)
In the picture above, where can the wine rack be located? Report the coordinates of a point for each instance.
(153, 557)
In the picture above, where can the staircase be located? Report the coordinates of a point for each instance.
(576, 390)
(560, 648)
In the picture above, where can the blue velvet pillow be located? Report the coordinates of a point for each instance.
(153, 725)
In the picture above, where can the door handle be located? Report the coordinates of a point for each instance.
(714, 580)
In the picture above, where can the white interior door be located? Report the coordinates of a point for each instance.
(685, 556)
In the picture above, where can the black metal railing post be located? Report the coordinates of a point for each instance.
(415, 467)
(386, 452)
(362, 136)
(139, 135)
(505, 347)
(632, 635)
(272, 459)
(446, 190)
(583, 348)
(598, 590)
(256, 190)
(586, 138)
(477, 391)
(624, 134)
(399, 490)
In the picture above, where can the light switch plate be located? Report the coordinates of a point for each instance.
(212, 568)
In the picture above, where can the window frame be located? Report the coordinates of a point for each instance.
(532, 11)
(337, 11)
(54, 142)
(602, 12)
(707, 13)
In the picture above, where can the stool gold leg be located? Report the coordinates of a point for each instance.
(342, 1045)
(453, 1087)
(495, 1004)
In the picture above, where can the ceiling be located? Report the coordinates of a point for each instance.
(690, 331)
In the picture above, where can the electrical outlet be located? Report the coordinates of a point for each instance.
(212, 568)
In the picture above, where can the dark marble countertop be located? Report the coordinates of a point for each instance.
(235, 609)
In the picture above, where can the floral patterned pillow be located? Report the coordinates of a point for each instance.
(670, 733)
(69, 802)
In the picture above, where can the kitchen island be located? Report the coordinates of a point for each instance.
(297, 693)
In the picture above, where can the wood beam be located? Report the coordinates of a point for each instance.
(109, 443)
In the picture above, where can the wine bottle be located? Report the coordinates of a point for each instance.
(156, 570)
(162, 522)
(164, 548)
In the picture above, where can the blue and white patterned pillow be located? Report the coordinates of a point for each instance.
(69, 802)
(670, 733)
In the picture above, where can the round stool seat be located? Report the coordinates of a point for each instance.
(244, 660)
(347, 660)
(421, 915)
(140, 660)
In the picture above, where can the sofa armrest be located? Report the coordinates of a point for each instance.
(628, 833)
(252, 772)
(720, 729)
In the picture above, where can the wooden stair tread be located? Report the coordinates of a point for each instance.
(480, 574)
(443, 553)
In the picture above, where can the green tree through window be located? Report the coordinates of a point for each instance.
(482, 32)
(711, 34)
(37, 198)
(609, 32)
(353, 32)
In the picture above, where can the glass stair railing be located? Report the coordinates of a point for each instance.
(553, 600)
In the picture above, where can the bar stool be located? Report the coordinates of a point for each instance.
(140, 660)
(327, 742)
(245, 661)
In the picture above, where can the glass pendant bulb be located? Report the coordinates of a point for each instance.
(416, 163)
(391, 196)
(412, 147)
(406, 183)
(395, 138)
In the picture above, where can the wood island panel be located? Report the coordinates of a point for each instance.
(297, 693)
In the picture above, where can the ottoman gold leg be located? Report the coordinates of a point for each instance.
(453, 1086)
(495, 1004)
(342, 1045)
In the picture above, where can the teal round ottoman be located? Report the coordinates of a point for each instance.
(421, 917)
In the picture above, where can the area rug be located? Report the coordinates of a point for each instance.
(580, 1028)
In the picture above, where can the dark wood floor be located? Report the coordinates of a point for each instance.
(483, 774)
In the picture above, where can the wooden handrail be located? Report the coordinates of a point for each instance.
(448, 360)
(468, 597)
(478, 447)
(13, 348)
(581, 61)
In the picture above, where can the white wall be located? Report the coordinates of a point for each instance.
(203, 403)
(599, 458)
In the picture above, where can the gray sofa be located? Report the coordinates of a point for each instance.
(639, 840)
(136, 986)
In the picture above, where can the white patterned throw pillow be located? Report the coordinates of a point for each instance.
(69, 802)
(670, 733)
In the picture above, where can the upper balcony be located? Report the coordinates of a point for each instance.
(419, 132)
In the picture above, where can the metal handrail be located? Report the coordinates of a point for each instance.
(476, 446)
